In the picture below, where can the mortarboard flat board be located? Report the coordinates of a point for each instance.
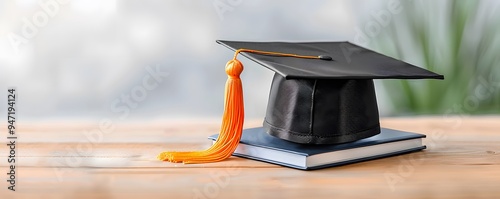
(349, 61)
(329, 100)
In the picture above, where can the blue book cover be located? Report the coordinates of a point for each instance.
(256, 144)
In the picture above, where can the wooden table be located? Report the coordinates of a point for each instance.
(64, 160)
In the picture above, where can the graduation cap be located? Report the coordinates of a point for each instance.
(321, 93)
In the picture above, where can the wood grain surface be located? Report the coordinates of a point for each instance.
(77, 160)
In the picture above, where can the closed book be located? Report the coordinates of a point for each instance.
(256, 144)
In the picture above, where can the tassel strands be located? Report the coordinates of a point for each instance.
(231, 128)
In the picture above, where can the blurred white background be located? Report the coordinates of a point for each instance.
(80, 56)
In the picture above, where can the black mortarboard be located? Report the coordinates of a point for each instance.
(322, 93)
(328, 100)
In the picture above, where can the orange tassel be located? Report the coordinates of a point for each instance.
(232, 124)
(233, 118)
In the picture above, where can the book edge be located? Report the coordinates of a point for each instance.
(336, 163)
